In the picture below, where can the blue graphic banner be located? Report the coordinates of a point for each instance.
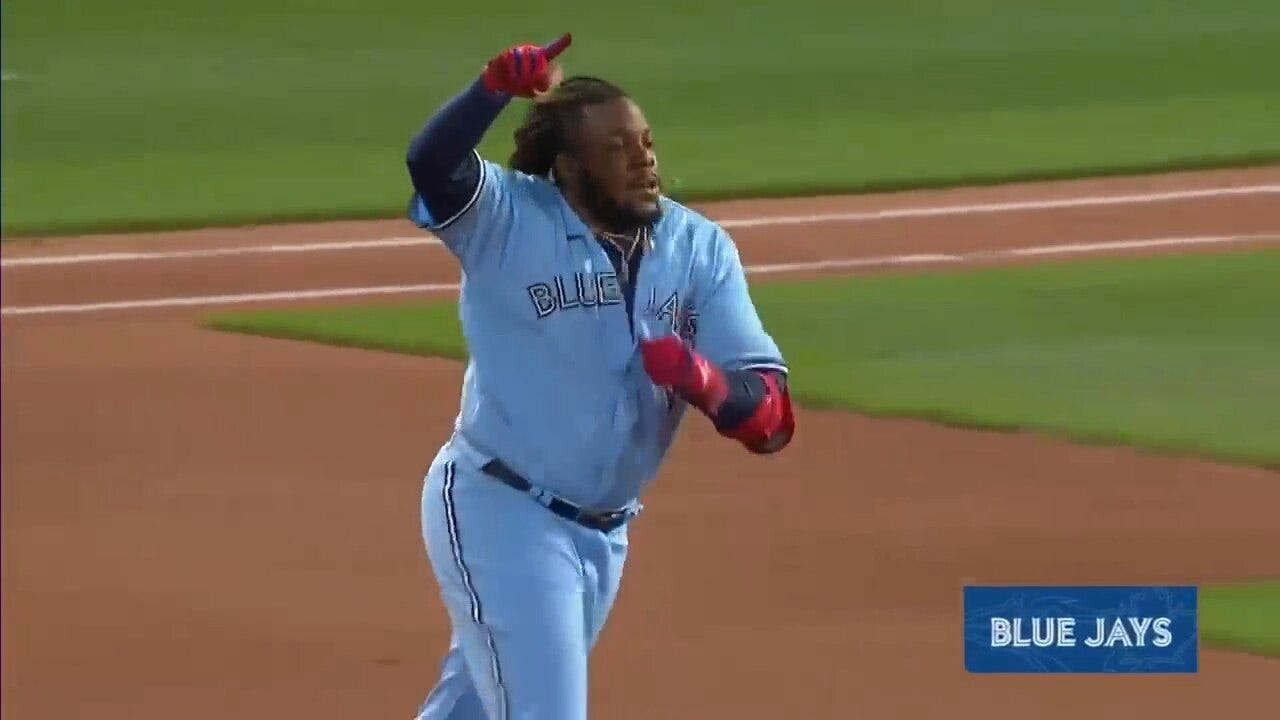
(1081, 629)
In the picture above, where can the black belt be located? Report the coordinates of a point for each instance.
(604, 521)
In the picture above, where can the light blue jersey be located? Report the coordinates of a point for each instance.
(555, 389)
(555, 386)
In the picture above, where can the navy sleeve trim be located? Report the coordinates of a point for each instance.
(470, 203)
(746, 390)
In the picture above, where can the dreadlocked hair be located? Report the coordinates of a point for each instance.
(545, 132)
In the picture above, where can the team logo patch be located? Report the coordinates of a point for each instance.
(679, 317)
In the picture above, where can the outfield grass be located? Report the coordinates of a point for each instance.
(1177, 353)
(1242, 616)
(140, 113)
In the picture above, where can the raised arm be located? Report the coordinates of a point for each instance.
(446, 171)
(441, 159)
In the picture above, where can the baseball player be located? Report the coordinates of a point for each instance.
(596, 311)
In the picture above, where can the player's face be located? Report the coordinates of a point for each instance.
(619, 170)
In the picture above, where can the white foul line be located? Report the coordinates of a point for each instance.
(1034, 251)
(729, 224)
(942, 210)
(202, 300)
(888, 260)
(125, 256)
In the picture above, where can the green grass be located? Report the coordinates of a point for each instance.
(430, 329)
(1173, 354)
(145, 114)
(1242, 616)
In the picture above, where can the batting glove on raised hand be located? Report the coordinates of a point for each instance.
(524, 70)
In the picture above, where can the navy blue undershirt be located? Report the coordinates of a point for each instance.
(633, 267)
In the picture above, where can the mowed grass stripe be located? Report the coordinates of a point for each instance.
(134, 114)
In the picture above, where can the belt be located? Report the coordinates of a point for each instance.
(602, 520)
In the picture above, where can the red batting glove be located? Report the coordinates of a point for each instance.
(523, 70)
(670, 362)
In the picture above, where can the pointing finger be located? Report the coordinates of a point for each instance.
(558, 46)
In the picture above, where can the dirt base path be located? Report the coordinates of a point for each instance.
(217, 526)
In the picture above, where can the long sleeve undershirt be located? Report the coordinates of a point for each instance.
(441, 159)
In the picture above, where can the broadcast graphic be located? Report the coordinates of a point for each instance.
(1094, 629)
